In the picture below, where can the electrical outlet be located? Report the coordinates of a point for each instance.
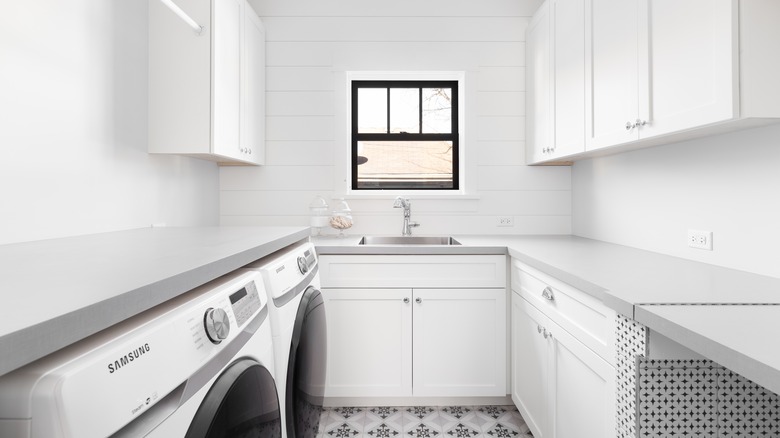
(505, 221)
(700, 239)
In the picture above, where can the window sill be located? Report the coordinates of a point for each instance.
(412, 195)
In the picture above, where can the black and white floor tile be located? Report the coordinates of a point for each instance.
(423, 422)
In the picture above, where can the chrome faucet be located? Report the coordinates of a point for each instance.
(406, 204)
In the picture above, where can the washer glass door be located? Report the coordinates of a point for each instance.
(241, 403)
(306, 367)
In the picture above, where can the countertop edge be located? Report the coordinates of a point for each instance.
(410, 250)
(736, 361)
(39, 340)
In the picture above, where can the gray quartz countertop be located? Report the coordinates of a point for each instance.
(625, 277)
(59, 291)
(721, 313)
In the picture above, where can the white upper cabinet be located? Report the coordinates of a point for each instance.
(539, 129)
(207, 91)
(555, 46)
(612, 70)
(688, 59)
(660, 71)
(659, 67)
(568, 21)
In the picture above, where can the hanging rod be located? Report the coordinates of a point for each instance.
(183, 15)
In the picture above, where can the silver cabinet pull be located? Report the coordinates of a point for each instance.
(418, 300)
(547, 293)
(406, 300)
(630, 126)
(538, 328)
(640, 123)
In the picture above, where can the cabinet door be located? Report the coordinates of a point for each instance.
(369, 342)
(539, 123)
(611, 72)
(568, 22)
(582, 389)
(253, 88)
(689, 68)
(459, 342)
(529, 365)
(226, 73)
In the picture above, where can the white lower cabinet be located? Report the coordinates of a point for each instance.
(561, 386)
(400, 341)
(530, 365)
(459, 342)
(453, 341)
(369, 342)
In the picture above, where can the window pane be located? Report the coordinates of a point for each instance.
(437, 110)
(372, 110)
(405, 164)
(405, 110)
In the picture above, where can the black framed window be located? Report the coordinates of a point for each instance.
(405, 135)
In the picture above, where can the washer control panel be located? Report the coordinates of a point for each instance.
(245, 302)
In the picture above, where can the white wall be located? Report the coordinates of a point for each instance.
(73, 118)
(311, 44)
(728, 184)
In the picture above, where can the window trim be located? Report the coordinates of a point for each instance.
(454, 136)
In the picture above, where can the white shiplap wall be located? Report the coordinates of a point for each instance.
(311, 44)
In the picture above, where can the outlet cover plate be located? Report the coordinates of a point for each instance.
(700, 239)
(505, 221)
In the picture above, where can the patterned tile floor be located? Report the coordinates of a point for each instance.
(423, 422)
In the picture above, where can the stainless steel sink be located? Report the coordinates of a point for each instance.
(408, 240)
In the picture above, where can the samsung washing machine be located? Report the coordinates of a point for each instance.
(199, 365)
(297, 314)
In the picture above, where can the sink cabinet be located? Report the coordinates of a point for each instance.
(415, 326)
(563, 378)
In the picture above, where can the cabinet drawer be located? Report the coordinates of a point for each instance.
(583, 316)
(390, 271)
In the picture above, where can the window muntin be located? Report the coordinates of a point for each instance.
(405, 135)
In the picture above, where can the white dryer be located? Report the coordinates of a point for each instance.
(299, 333)
(199, 365)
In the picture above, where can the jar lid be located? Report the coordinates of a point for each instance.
(318, 202)
(342, 206)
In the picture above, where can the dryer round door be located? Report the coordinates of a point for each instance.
(306, 367)
(242, 402)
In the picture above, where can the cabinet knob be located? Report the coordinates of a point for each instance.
(630, 126)
(418, 300)
(547, 293)
(538, 328)
(406, 300)
(640, 123)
